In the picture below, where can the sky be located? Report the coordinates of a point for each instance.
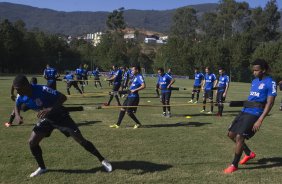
(109, 5)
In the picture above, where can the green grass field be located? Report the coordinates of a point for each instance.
(165, 150)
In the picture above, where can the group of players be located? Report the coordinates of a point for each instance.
(52, 114)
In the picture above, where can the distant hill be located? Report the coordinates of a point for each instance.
(77, 23)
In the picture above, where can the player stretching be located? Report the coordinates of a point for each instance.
(52, 115)
(249, 121)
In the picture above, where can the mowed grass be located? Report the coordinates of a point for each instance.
(165, 150)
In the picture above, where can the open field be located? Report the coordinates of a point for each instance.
(165, 150)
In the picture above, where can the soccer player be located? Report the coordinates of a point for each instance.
(249, 121)
(33, 81)
(111, 74)
(165, 82)
(96, 75)
(69, 78)
(199, 77)
(208, 85)
(85, 74)
(126, 77)
(116, 78)
(169, 71)
(52, 115)
(222, 88)
(79, 72)
(280, 87)
(51, 75)
(132, 99)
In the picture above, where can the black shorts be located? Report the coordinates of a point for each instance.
(131, 101)
(116, 86)
(219, 97)
(196, 89)
(57, 119)
(80, 80)
(243, 125)
(97, 79)
(165, 97)
(52, 84)
(208, 94)
(72, 83)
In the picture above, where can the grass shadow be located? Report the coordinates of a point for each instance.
(180, 124)
(144, 166)
(86, 123)
(266, 163)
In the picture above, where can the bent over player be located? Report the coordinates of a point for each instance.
(249, 121)
(52, 115)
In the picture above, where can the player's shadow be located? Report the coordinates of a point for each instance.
(180, 124)
(86, 123)
(143, 166)
(204, 114)
(266, 163)
(83, 104)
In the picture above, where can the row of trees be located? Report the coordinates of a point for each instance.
(231, 37)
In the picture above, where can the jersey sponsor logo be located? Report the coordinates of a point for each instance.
(49, 90)
(261, 86)
(253, 93)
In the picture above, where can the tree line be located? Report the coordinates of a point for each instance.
(231, 37)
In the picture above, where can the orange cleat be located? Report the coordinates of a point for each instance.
(247, 158)
(230, 169)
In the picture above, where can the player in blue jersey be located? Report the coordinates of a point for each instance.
(117, 79)
(79, 72)
(280, 87)
(126, 77)
(33, 81)
(96, 74)
(165, 81)
(199, 77)
(248, 122)
(85, 74)
(52, 115)
(132, 99)
(209, 84)
(69, 79)
(51, 75)
(222, 89)
(169, 71)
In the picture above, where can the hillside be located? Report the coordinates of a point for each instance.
(75, 23)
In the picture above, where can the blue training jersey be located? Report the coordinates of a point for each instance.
(42, 97)
(118, 76)
(96, 73)
(50, 73)
(163, 82)
(79, 72)
(137, 81)
(69, 77)
(222, 82)
(209, 78)
(260, 90)
(198, 78)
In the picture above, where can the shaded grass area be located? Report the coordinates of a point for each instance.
(164, 150)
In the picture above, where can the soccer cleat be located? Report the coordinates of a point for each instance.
(8, 124)
(195, 102)
(106, 164)
(114, 126)
(136, 126)
(191, 101)
(247, 158)
(210, 112)
(38, 172)
(168, 115)
(202, 111)
(106, 104)
(230, 169)
(164, 114)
